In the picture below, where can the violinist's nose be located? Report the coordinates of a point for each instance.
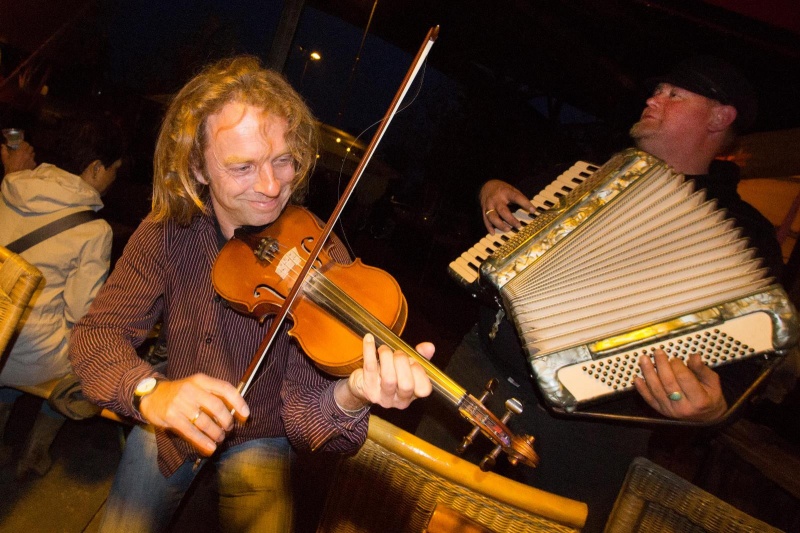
(266, 182)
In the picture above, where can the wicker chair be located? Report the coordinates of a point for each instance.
(396, 480)
(653, 499)
(18, 281)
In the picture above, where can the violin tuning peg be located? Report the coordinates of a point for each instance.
(467, 441)
(514, 406)
(488, 462)
(488, 389)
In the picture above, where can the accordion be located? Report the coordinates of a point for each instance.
(629, 259)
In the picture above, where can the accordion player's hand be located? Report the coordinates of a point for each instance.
(677, 390)
(496, 196)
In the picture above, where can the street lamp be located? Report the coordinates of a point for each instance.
(310, 56)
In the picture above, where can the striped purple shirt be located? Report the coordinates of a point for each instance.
(166, 270)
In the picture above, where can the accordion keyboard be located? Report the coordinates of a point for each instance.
(735, 339)
(466, 268)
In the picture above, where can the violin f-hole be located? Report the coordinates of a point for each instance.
(257, 292)
(308, 246)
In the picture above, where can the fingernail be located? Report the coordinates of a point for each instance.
(245, 411)
(369, 338)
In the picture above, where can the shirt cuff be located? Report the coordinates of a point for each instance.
(343, 418)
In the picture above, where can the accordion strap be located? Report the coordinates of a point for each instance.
(51, 229)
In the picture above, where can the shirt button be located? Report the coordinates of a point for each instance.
(209, 339)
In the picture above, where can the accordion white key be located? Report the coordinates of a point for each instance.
(633, 259)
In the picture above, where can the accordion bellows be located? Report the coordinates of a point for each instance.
(632, 259)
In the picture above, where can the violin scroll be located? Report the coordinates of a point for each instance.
(517, 448)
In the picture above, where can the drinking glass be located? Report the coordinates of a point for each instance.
(13, 137)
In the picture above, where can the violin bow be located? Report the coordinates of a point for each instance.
(518, 449)
(280, 317)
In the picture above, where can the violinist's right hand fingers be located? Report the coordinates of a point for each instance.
(495, 198)
(230, 400)
(196, 408)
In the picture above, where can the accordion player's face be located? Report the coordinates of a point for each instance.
(674, 123)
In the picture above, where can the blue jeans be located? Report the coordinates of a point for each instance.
(254, 481)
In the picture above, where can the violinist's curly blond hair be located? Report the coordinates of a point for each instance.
(182, 140)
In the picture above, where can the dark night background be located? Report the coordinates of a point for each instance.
(511, 87)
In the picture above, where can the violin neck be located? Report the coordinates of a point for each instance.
(326, 294)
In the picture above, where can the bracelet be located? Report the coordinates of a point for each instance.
(351, 412)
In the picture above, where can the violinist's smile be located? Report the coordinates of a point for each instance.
(249, 169)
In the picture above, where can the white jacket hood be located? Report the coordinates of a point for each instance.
(46, 189)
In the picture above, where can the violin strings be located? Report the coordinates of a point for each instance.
(345, 304)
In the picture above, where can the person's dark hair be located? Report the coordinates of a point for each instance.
(89, 139)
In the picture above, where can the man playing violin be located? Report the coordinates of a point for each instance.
(236, 146)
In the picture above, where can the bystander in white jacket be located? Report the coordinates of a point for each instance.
(74, 263)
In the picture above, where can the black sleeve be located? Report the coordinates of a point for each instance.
(761, 234)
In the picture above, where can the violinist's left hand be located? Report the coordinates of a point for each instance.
(395, 381)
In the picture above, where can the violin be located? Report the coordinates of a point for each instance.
(337, 305)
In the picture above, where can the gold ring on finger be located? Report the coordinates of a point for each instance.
(196, 416)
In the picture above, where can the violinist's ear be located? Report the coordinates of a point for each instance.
(199, 175)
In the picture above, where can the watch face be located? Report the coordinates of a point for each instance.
(146, 386)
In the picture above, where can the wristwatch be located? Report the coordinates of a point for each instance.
(143, 388)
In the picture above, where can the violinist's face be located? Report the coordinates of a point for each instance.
(249, 170)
